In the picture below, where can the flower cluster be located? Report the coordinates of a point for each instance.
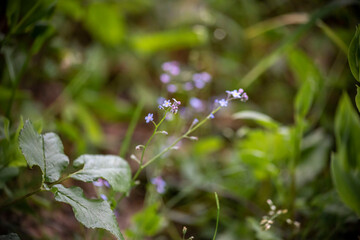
(235, 94)
(174, 80)
(159, 183)
(200, 79)
(174, 106)
(269, 219)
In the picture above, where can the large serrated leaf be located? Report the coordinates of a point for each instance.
(56, 160)
(354, 55)
(32, 146)
(11, 236)
(93, 213)
(110, 167)
(45, 151)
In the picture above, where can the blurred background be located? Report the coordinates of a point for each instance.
(91, 70)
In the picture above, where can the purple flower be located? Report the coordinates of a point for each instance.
(171, 67)
(244, 97)
(200, 79)
(172, 88)
(195, 121)
(199, 84)
(104, 197)
(196, 103)
(101, 182)
(167, 103)
(160, 100)
(159, 183)
(211, 116)
(175, 106)
(149, 118)
(188, 86)
(165, 78)
(206, 77)
(223, 103)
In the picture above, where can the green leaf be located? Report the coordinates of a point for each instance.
(308, 75)
(347, 132)
(208, 145)
(346, 183)
(31, 144)
(93, 213)
(357, 99)
(45, 151)
(110, 30)
(91, 125)
(171, 39)
(345, 163)
(72, 8)
(354, 54)
(147, 222)
(56, 160)
(258, 117)
(4, 128)
(112, 168)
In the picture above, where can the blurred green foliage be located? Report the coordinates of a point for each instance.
(80, 68)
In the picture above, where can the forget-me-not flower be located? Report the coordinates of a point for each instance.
(159, 183)
(149, 118)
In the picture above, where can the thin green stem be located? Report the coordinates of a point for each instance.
(185, 135)
(218, 214)
(37, 190)
(192, 129)
(141, 167)
(297, 138)
(4, 206)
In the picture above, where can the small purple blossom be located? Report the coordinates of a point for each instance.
(244, 97)
(199, 84)
(238, 94)
(167, 103)
(171, 67)
(200, 79)
(223, 103)
(195, 121)
(172, 88)
(188, 86)
(165, 78)
(104, 197)
(101, 182)
(206, 77)
(175, 106)
(196, 103)
(211, 116)
(160, 100)
(159, 183)
(235, 94)
(149, 118)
